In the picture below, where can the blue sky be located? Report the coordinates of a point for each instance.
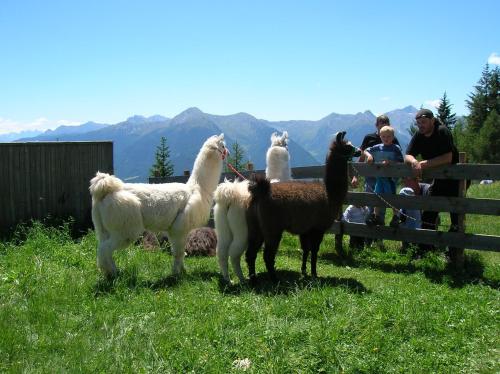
(68, 62)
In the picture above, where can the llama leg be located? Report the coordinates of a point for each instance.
(304, 243)
(223, 256)
(236, 250)
(105, 254)
(270, 250)
(254, 245)
(316, 239)
(178, 247)
(240, 240)
(105, 259)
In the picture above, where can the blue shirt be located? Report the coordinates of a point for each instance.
(381, 152)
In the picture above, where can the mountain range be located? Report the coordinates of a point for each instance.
(135, 140)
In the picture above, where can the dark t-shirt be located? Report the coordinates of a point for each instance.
(373, 139)
(439, 143)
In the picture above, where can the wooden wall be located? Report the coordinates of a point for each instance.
(49, 178)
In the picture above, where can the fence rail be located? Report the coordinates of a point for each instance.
(460, 205)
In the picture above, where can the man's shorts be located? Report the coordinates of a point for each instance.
(385, 185)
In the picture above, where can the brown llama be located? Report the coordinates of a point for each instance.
(307, 209)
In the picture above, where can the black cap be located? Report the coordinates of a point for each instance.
(424, 113)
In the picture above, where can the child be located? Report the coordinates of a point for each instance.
(356, 214)
(408, 218)
(386, 153)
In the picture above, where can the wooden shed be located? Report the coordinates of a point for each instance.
(38, 179)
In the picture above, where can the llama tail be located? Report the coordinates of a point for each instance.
(103, 184)
(260, 187)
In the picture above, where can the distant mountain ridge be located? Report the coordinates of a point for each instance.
(135, 140)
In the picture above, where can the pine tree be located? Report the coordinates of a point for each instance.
(413, 129)
(483, 100)
(162, 166)
(488, 143)
(236, 157)
(493, 101)
(444, 113)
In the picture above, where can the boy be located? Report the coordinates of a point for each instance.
(386, 153)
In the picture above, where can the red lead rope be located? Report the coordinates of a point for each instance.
(231, 166)
(235, 171)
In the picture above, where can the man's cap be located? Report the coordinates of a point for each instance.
(424, 113)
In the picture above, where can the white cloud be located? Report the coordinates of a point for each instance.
(40, 124)
(433, 103)
(494, 59)
(385, 98)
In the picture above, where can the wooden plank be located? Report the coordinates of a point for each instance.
(432, 203)
(459, 171)
(307, 172)
(438, 238)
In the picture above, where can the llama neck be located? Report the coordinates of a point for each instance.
(206, 173)
(336, 179)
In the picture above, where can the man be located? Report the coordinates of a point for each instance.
(434, 143)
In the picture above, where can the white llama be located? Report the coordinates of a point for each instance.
(231, 201)
(278, 159)
(122, 211)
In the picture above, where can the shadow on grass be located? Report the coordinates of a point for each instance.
(128, 279)
(432, 265)
(289, 282)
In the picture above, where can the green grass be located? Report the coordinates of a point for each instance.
(378, 311)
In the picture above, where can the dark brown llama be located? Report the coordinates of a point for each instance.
(306, 209)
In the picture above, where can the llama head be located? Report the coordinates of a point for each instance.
(279, 140)
(216, 142)
(341, 147)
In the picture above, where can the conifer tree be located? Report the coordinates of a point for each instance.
(236, 157)
(413, 129)
(444, 113)
(482, 99)
(163, 166)
(488, 143)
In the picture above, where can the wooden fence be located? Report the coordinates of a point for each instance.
(49, 178)
(461, 205)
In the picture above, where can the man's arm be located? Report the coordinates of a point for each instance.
(444, 159)
(418, 166)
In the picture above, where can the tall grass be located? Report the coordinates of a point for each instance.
(379, 311)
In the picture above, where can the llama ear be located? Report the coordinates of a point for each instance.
(221, 136)
(340, 137)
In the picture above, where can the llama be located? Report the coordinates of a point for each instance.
(278, 159)
(231, 201)
(306, 209)
(122, 211)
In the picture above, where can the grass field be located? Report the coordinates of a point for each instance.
(379, 311)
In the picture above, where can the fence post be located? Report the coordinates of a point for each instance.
(457, 254)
